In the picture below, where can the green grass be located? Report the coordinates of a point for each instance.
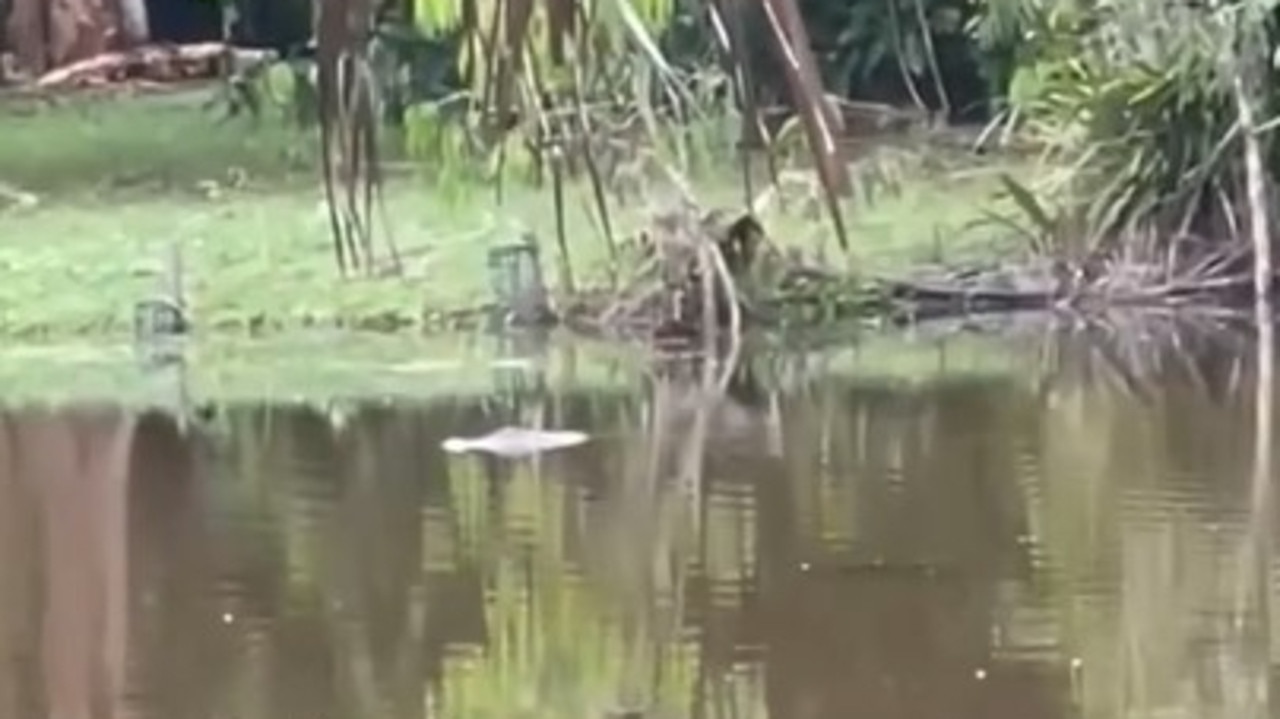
(119, 180)
(144, 143)
(252, 258)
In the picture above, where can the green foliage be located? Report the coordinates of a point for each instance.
(166, 140)
(565, 84)
(1134, 100)
(881, 49)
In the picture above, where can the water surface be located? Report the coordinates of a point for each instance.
(1073, 532)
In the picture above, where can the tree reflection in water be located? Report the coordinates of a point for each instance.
(1042, 542)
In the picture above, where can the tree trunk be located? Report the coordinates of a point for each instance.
(134, 23)
(48, 33)
(5, 6)
(27, 29)
(821, 123)
(80, 29)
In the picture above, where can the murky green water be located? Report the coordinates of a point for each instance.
(1075, 532)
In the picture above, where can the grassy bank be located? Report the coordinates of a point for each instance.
(117, 181)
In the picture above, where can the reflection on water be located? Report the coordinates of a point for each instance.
(1077, 539)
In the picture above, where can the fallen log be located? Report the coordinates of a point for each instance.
(962, 295)
(157, 63)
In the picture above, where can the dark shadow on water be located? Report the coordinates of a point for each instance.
(1062, 540)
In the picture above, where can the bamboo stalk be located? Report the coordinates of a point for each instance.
(1256, 189)
(1254, 593)
(814, 110)
(931, 57)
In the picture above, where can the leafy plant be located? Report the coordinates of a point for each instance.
(1133, 104)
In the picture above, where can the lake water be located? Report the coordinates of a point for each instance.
(1069, 525)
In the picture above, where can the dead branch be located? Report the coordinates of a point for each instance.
(161, 63)
(685, 284)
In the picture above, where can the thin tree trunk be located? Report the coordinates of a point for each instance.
(28, 30)
(1254, 600)
(820, 120)
(1256, 187)
(135, 25)
(5, 6)
(510, 58)
(791, 41)
(81, 28)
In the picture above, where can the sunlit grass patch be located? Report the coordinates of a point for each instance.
(119, 181)
(165, 139)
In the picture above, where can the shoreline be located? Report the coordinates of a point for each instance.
(321, 367)
(261, 261)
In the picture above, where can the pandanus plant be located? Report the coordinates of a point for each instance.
(508, 45)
